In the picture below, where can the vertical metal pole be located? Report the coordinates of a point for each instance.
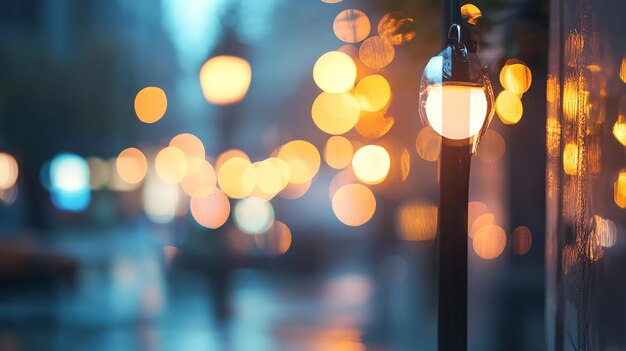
(450, 14)
(453, 198)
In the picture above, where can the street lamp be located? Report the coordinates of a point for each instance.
(456, 100)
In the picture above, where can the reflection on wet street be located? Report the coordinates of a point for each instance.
(128, 293)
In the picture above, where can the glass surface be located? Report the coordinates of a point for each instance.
(585, 248)
(456, 98)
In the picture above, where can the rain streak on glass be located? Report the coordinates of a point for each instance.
(570, 158)
(396, 28)
(417, 221)
(351, 26)
(405, 163)
(376, 52)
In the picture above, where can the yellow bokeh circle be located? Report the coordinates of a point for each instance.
(509, 107)
(334, 72)
(338, 152)
(303, 159)
(371, 164)
(236, 177)
(171, 165)
(335, 113)
(150, 104)
(131, 165)
(373, 92)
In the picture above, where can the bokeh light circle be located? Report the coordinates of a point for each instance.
(131, 165)
(201, 181)
(521, 240)
(8, 171)
(236, 177)
(373, 92)
(354, 204)
(351, 26)
(517, 78)
(509, 107)
(396, 28)
(210, 211)
(272, 175)
(171, 165)
(489, 241)
(428, 144)
(225, 79)
(295, 191)
(334, 72)
(228, 154)
(371, 164)
(276, 241)
(335, 113)
(189, 144)
(338, 152)
(253, 215)
(303, 159)
(69, 173)
(150, 104)
(376, 52)
(373, 125)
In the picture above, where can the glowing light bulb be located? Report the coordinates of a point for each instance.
(456, 98)
(456, 111)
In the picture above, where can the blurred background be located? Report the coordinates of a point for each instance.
(254, 175)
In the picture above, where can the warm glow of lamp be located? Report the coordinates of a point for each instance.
(456, 98)
(456, 111)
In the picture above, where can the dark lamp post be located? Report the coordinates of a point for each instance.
(456, 100)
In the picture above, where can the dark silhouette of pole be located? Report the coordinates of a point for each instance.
(454, 176)
(453, 196)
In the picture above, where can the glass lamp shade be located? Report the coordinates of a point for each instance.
(456, 98)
